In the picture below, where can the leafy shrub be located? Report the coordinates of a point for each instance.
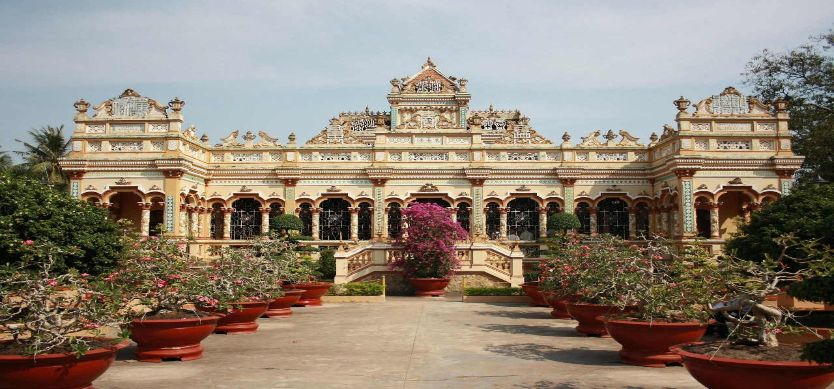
(362, 288)
(487, 291)
(33, 211)
(327, 264)
(562, 222)
(285, 223)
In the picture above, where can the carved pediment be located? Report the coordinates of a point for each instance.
(230, 140)
(335, 133)
(122, 181)
(731, 102)
(130, 105)
(333, 189)
(428, 187)
(736, 181)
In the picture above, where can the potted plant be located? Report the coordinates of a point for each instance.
(674, 289)
(556, 273)
(532, 289)
(596, 273)
(752, 356)
(428, 257)
(288, 266)
(285, 225)
(62, 331)
(159, 280)
(244, 282)
(562, 222)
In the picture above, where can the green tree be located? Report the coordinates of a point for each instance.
(804, 76)
(42, 155)
(562, 222)
(285, 223)
(807, 213)
(32, 210)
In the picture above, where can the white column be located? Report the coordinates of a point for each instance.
(503, 213)
(227, 222)
(715, 226)
(315, 212)
(354, 223)
(632, 224)
(543, 222)
(146, 219)
(593, 218)
(265, 221)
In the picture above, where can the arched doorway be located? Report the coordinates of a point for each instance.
(493, 220)
(364, 222)
(583, 213)
(246, 219)
(612, 217)
(125, 206)
(462, 215)
(394, 220)
(642, 214)
(733, 208)
(216, 221)
(305, 213)
(157, 216)
(523, 219)
(334, 220)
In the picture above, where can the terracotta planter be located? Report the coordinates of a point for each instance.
(160, 339)
(281, 306)
(532, 289)
(559, 305)
(588, 317)
(312, 292)
(647, 343)
(242, 318)
(804, 337)
(429, 286)
(730, 373)
(56, 371)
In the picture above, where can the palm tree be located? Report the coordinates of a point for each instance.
(41, 157)
(5, 161)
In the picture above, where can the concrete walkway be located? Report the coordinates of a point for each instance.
(403, 343)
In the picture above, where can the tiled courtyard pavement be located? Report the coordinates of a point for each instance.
(403, 343)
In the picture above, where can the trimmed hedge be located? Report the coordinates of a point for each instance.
(363, 288)
(483, 291)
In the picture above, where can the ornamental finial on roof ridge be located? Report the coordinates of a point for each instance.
(429, 63)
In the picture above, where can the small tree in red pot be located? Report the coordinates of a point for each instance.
(428, 256)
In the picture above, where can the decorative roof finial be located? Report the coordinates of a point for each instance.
(429, 63)
(610, 135)
(176, 104)
(81, 105)
(682, 104)
(566, 137)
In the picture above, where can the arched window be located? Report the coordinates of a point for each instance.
(157, 216)
(612, 217)
(493, 221)
(641, 216)
(523, 219)
(394, 220)
(431, 200)
(305, 213)
(275, 210)
(334, 220)
(246, 219)
(463, 216)
(125, 206)
(553, 208)
(216, 221)
(703, 222)
(365, 216)
(583, 212)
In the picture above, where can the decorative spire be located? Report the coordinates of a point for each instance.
(682, 104)
(81, 105)
(610, 135)
(428, 64)
(176, 104)
(566, 137)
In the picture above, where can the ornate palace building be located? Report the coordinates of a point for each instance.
(726, 156)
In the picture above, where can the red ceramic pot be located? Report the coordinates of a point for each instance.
(241, 319)
(429, 286)
(56, 371)
(312, 292)
(281, 306)
(588, 317)
(558, 303)
(532, 289)
(161, 339)
(647, 343)
(730, 373)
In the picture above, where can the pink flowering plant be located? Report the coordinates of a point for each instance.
(428, 244)
(242, 275)
(284, 259)
(44, 311)
(158, 279)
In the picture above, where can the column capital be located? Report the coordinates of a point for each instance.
(75, 174)
(144, 206)
(172, 173)
(264, 210)
(227, 210)
(379, 181)
(567, 182)
(685, 173)
(477, 181)
(290, 181)
(785, 173)
(353, 210)
(315, 210)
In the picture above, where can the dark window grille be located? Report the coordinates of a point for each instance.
(493, 221)
(246, 219)
(432, 200)
(612, 218)
(365, 216)
(334, 220)
(275, 210)
(217, 221)
(394, 220)
(553, 208)
(641, 216)
(583, 212)
(523, 220)
(305, 213)
(463, 216)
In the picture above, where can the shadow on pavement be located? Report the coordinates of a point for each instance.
(544, 314)
(127, 354)
(530, 330)
(539, 352)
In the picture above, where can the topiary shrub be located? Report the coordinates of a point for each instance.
(563, 222)
(285, 223)
(327, 264)
(30, 210)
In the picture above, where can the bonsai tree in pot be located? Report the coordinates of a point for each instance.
(600, 277)
(243, 282)
(62, 331)
(285, 224)
(752, 356)
(562, 222)
(290, 266)
(428, 258)
(675, 288)
(160, 282)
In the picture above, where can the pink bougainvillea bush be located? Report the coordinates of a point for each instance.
(428, 245)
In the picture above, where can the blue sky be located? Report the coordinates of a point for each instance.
(289, 66)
